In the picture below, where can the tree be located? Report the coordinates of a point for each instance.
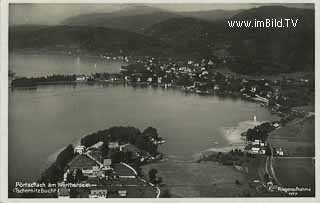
(70, 178)
(151, 132)
(79, 176)
(118, 157)
(159, 180)
(128, 156)
(166, 194)
(65, 156)
(266, 177)
(152, 175)
(11, 73)
(105, 149)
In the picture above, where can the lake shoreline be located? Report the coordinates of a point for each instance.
(193, 102)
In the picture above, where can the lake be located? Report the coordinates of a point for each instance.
(46, 119)
(29, 65)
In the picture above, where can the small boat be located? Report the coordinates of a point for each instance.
(255, 118)
(161, 142)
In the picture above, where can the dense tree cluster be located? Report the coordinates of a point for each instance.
(55, 172)
(124, 135)
(259, 132)
(24, 81)
(233, 157)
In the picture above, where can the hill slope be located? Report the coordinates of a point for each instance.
(137, 18)
(211, 15)
(256, 50)
(134, 18)
(289, 49)
(87, 39)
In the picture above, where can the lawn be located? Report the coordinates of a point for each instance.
(205, 179)
(297, 138)
(296, 173)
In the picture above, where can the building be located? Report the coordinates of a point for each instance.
(98, 173)
(276, 125)
(279, 152)
(258, 143)
(127, 78)
(216, 87)
(113, 145)
(80, 149)
(135, 152)
(256, 150)
(65, 175)
(81, 78)
(84, 163)
(122, 193)
(107, 162)
(98, 193)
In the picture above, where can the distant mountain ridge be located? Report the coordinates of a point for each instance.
(86, 39)
(211, 15)
(138, 18)
(290, 48)
(135, 23)
(285, 49)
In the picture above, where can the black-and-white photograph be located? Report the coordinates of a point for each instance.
(161, 100)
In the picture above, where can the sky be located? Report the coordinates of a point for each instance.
(53, 14)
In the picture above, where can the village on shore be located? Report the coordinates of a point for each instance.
(117, 173)
(200, 76)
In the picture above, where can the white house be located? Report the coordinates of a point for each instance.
(253, 89)
(276, 125)
(257, 150)
(80, 149)
(127, 78)
(65, 175)
(216, 87)
(280, 152)
(107, 162)
(113, 145)
(81, 78)
(256, 142)
(122, 193)
(98, 193)
(210, 62)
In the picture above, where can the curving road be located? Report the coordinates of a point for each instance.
(269, 167)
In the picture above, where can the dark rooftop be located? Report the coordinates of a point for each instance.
(81, 161)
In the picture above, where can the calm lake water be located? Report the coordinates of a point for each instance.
(46, 119)
(42, 65)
